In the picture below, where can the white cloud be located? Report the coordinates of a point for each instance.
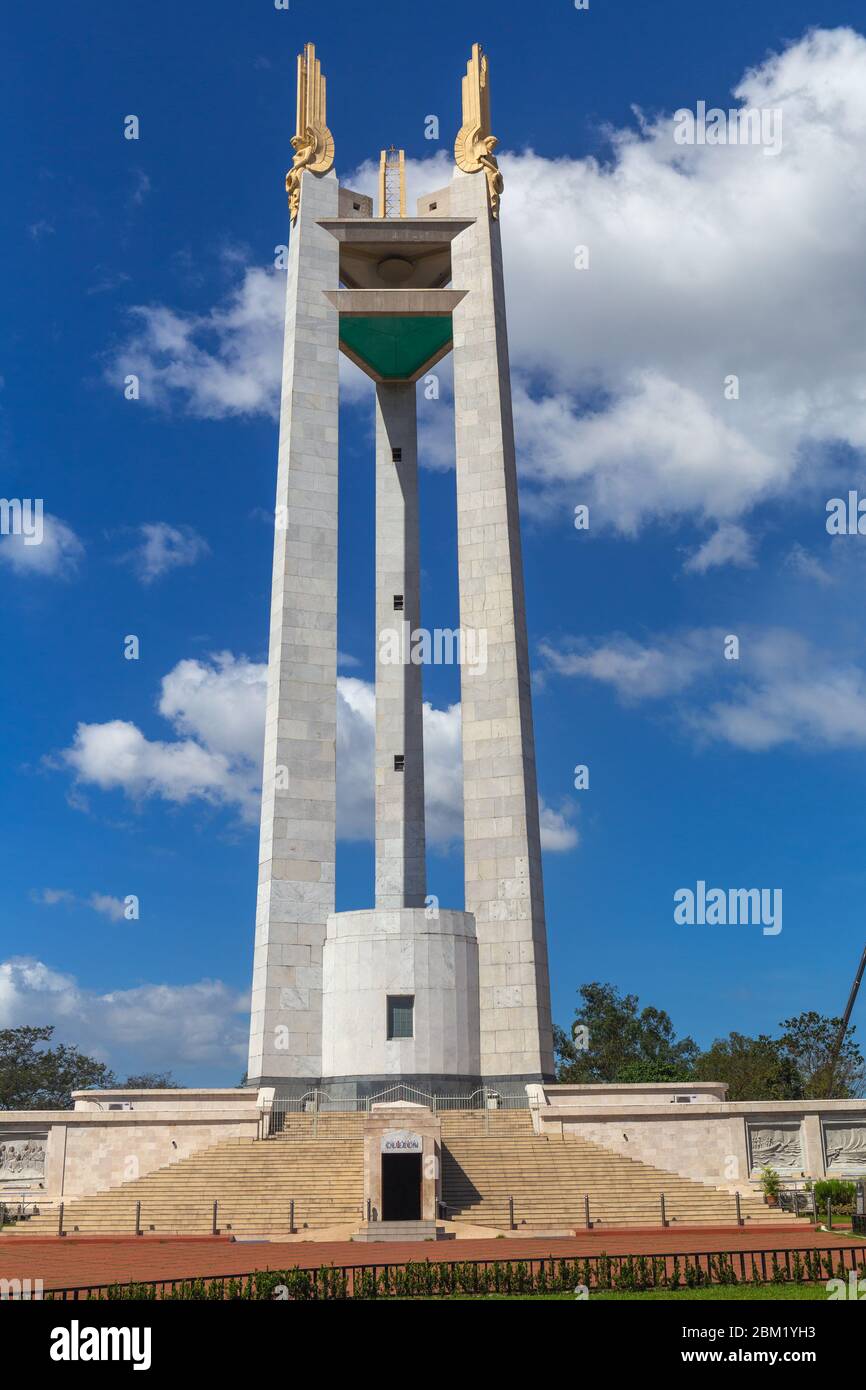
(807, 565)
(813, 708)
(164, 1026)
(705, 262)
(783, 690)
(163, 548)
(116, 755)
(356, 715)
(109, 907)
(729, 545)
(637, 671)
(224, 362)
(103, 903)
(56, 556)
(221, 704)
(443, 774)
(141, 188)
(557, 832)
(217, 708)
(50, 897)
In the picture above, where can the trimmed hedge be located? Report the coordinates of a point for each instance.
(430, 1279)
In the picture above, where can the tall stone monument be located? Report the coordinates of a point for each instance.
(403, 991)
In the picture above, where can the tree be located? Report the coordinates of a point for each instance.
(33, 1077)
(150, 1081)
(647, 1071)
(620, 1042)
(754, 1068)
(807, 1043)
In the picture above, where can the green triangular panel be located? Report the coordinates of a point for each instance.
(396, 347)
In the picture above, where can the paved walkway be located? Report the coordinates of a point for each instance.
(74, 1261)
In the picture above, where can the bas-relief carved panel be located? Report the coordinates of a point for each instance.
(776, 1146)
(845, 1144)
(22, 1158)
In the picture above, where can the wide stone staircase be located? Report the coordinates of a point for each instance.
(317, 1162)
(491, 1156)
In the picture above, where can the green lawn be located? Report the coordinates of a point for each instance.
(840, 1223)
(734, 1293)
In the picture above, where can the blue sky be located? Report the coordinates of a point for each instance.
(707, 514)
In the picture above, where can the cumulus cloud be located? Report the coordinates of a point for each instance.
(162, 1026)
(216, 709)
(557, 831)
(107, 906)
(103, 903)
(705, 263)
(782, 690)
(729, 545)
(162, 548)
(50, 897)
(807, 566)
(56, 556)
(636, 670)
(116, 754)
(220, 363)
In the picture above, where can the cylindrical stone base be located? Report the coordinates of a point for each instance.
(378, 956)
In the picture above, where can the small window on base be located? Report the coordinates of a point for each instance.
(401, 1016)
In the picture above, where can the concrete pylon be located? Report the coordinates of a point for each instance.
(400, 840)
(298, 827)
(502, 844)
(442, 999)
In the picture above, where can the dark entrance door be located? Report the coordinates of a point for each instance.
(401, 1187)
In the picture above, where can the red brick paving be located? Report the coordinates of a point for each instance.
(74, 1261)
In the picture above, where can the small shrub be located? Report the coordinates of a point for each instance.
(838, 1192)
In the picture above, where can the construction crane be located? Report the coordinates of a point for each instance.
(843, 1026)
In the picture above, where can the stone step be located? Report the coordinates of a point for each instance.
(399, 1230)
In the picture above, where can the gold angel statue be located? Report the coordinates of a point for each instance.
(474, 146)
(312, 142)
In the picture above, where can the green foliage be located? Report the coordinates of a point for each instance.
(639, 1046)
(624, 1042)
(150, 1081)
(649, 1070)
(770, 1182)
(807, 1043)
(754, 1068)
(431, 1279)
(35, 1077)
(841, 1194)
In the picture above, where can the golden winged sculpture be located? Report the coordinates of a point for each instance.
(474, 146)
(312, 142)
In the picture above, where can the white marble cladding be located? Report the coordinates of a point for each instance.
(372, 954)
(298, 824)
(88, 1149)
(502, 846)
(594, 1094)
(845, 1146)
(713, 1139)
(182, 1100)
